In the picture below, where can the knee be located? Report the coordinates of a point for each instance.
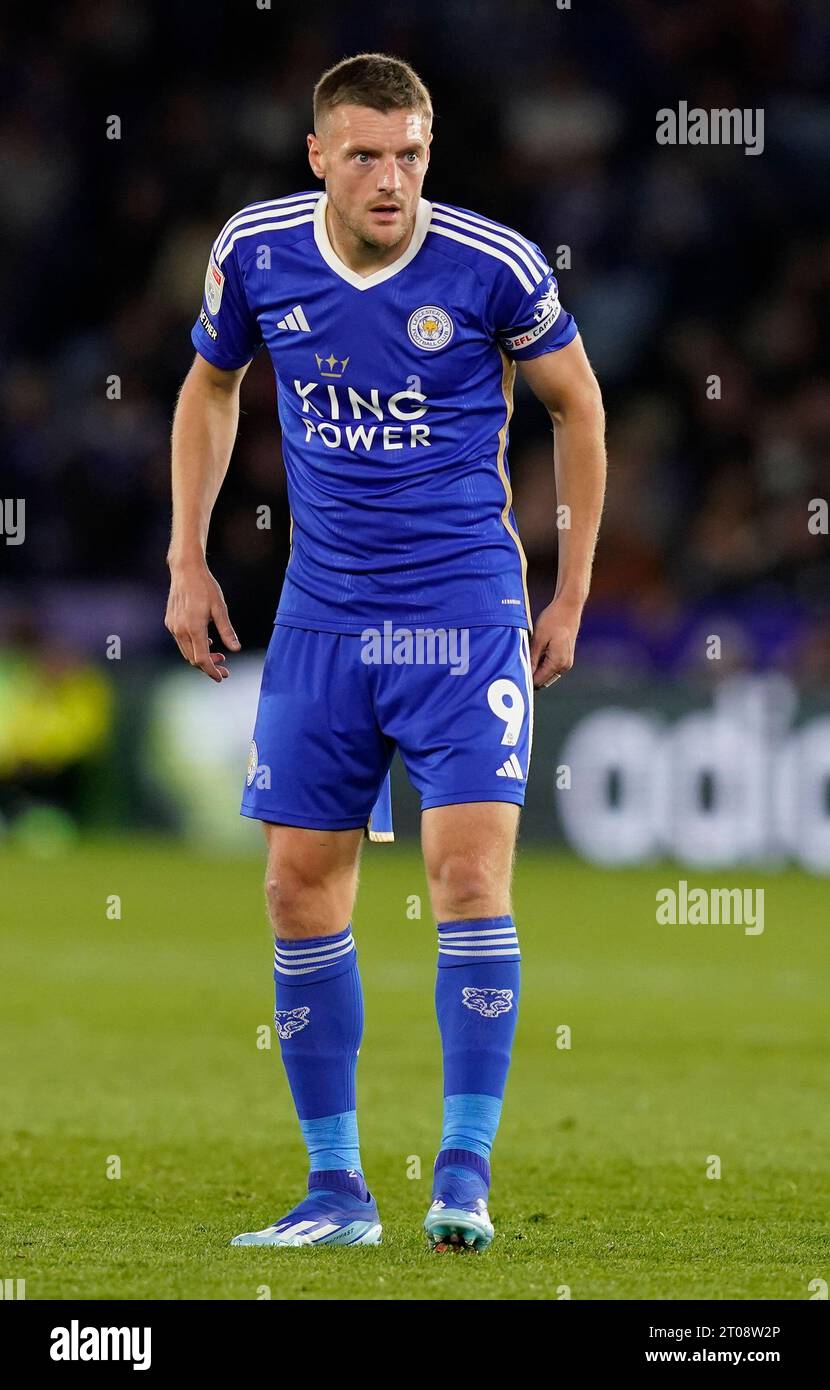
(292, 902)
(463, 886)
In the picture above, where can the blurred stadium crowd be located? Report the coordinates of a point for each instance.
(680, 264)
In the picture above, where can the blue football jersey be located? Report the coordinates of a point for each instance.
(394, 394)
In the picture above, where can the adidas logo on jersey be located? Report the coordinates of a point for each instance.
(511, 768)
(296, 321)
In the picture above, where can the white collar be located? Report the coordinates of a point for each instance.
(365, 282)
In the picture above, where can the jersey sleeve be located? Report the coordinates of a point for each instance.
(226, 332)
(528, 318)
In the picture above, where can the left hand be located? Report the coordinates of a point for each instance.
(553, 641)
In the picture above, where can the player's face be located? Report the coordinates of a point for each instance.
(374, 164)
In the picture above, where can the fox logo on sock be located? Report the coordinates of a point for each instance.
(487, 1002)
(290, 1021)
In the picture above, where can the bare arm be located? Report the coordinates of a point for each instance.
(204, 430)
(566, 385)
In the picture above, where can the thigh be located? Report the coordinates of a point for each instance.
(464, 728)
(317, 758)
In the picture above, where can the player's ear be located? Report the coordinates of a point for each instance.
(315, 156)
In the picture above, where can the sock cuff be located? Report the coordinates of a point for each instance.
(338, 1180)
(477, 938)
(463, 1158)
(297, 960)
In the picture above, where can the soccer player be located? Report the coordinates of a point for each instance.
(394, 326)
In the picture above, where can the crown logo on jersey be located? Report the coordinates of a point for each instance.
(336, 365)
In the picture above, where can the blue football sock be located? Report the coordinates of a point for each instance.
(319, 1020)
(476, 999)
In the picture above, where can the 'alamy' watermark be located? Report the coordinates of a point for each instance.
(13, 519)
(81, 1343)
(704, 906)
(721, 126)
(420, 646)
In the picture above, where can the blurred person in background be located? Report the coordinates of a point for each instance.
(56, 718)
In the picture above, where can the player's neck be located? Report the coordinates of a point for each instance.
(358, 255)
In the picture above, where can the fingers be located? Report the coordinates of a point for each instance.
(551, 666)
(545, 675)
(204, 658)
(222, 622)
(218, 658)
(187, 619)
(195, 648)
(186, 650)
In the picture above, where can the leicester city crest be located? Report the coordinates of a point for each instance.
(253, 763)
(430, 328)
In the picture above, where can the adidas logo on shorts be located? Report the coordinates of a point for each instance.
(511, 768)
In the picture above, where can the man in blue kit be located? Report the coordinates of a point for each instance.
(394, 326)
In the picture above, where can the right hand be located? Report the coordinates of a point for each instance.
(195, 600)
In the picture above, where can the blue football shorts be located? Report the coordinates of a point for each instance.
(334, 707)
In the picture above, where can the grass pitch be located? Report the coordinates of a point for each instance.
(133, 1042)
